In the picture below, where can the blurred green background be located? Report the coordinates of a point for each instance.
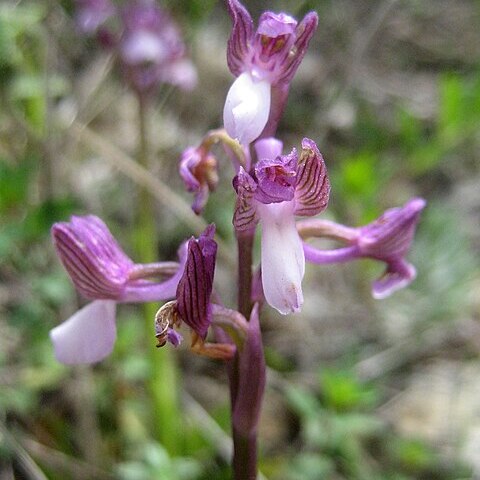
(357, 388)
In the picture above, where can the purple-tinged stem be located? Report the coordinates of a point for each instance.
(339, 255)
(244, 456)
(244, 447)
(245, 260)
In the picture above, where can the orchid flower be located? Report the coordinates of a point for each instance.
(387, 239)
(198, 166)
(279, 188)
(102, 272)
(261, 60)
(195, 287)
(198, 169)
(194, 307)
(152, 50)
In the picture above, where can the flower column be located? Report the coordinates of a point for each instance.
(264, 62)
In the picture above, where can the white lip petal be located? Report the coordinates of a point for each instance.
(88, 335)
(283, 260)
(247, 108)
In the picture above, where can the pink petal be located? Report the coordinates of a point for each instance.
(247, 108)
(88, 335)
(397, 276)
(268, 148)
(283, 260)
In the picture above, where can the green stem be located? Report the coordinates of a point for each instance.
(163, 380)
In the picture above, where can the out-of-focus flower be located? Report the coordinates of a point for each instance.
(387, 239)
(260, 60)
(91, 15)
(279, 188)
(198, 169)
(102, 272)
(152, 50)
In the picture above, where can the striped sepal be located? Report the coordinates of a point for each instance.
(392, 233)
(245, 215)
(239, 42)
(195, 286)
(313, 187)
(92, 257)
(304, 33)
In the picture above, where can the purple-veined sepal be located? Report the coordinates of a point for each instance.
(239, 42)
(245, 215)
(312, 190)
(195, 287)
(95, 262)
(304, 33)
(391, 235)
(100, 269)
